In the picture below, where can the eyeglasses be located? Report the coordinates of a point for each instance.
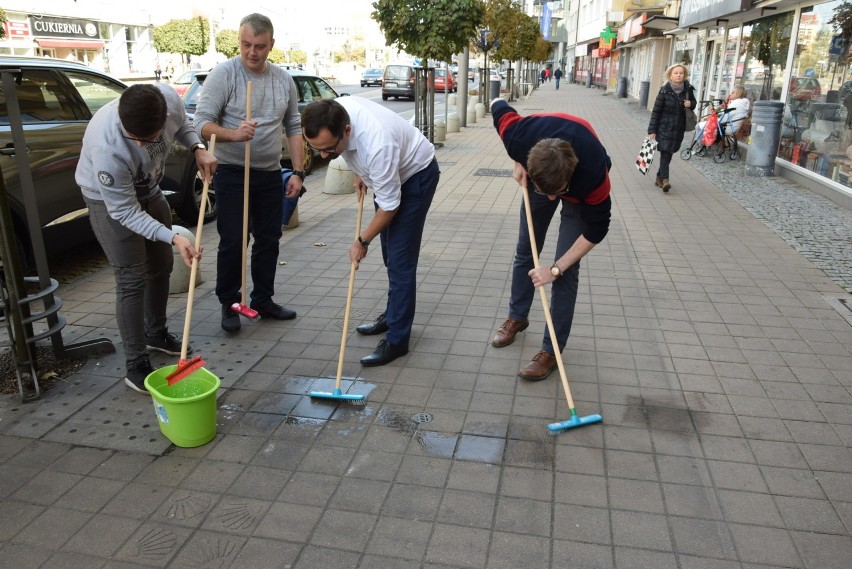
(330, 149)
(156, 140)
(539, 192)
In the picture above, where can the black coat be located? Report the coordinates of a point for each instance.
(667, 118)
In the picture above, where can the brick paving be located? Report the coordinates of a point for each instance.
(717, 353)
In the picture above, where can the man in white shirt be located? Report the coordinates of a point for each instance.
(395, 160)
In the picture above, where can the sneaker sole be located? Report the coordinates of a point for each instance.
(134, 387)
(169, 352)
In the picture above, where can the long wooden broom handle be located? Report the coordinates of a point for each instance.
(246, 173)
(349, 297)
(190, 295)
(556, 351)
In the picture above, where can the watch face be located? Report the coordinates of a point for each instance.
(554, 271)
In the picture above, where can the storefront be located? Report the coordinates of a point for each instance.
(790, 54)
(67, 38)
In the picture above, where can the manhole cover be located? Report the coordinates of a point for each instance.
(422, 418)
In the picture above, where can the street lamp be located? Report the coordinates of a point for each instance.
(486, 42)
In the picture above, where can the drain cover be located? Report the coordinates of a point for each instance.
(422, 418)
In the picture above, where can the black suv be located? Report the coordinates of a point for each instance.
(57, 99)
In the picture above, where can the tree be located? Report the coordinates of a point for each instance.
(3, 19)
(296, 56)
(228, 43)
(187, 37)
(842, 22)
(429, 29)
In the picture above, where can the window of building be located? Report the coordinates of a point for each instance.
(817, 124)
(766, 43)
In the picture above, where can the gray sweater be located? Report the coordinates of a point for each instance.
(115, 170)
(274, 106)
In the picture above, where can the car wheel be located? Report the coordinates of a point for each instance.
(188, 210)
(363, 84)
(384, 97)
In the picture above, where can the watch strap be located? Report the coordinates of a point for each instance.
(300, 173)
(363, 243)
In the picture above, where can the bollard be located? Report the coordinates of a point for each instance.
(472, 100)
(339, 179)
(471, 115)
(479, 108)
(589, 80)
(440, 131)
(453, 123)
(494, 89)
(451, 100)
(765, 137)
(179, 279)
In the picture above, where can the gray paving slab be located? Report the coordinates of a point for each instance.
(708, 332)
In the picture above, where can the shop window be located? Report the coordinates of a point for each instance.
(767, 43)
(817, 124)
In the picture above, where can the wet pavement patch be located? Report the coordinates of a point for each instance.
(480, 449)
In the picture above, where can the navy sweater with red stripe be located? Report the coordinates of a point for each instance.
(589, 186)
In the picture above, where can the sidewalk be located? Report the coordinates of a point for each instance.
(718, 355)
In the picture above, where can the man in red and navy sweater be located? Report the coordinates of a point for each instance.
(559, 158)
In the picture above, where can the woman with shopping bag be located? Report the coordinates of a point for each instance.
(668, 119)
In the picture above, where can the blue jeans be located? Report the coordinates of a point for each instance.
(142, 269)
(564, 289)
(266, 211)
(401, 251)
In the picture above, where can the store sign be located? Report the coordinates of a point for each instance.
(17, 29)
(604, 47)
(546, 20)
(632, 28)
(47, 26)
(696, 11)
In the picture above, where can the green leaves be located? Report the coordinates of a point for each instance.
(429, 29)
(189, 37)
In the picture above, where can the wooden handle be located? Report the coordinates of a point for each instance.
(246, 168)
(349, 297)
(556, 351)
(193, 272)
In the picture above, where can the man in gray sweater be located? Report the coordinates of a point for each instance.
(121, 164)
(222, 111)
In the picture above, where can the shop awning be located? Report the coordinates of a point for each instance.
(75, 43)
(664, 23)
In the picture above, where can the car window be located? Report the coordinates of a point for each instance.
(397, 72)
(186, 78)
(95, 91)
(325, 90)
(307, 91)
(40, 98)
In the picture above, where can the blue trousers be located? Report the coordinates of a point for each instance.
(564, 289)
(266, 211)
(401, 251)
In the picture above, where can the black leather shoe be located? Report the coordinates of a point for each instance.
(385, 353)
(275, 311)
(230, 319)
(378, 326)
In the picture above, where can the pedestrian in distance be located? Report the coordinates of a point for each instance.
(158, 72)
(543, 75)
(222, 111)
(122, 162)
(558, 76)
(561, 161)
(668, 120)
(391, 157)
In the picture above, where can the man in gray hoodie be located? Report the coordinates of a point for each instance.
(121, 165)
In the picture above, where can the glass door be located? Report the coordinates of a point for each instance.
(712, 70)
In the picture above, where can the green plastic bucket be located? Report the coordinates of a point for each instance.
(186, 410)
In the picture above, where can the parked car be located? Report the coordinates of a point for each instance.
(182, 83)
(372, 76)
(310, 87)
(57, 99)
(805, 89)
(440, 80)
(398, 81)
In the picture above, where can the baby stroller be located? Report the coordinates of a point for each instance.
(725, 138)
(697, 148)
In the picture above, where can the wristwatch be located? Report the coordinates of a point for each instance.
(196, 147)
(555, 271)
(363, 243)
(300, 173)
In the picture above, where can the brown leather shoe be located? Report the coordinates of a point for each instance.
(658, 182)
(506, 333)
(665, 185)
(539, 368)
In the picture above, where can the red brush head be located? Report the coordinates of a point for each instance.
(184, 369)
(245, 311)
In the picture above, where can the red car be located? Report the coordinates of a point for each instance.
(805, 89)
(441, 77)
